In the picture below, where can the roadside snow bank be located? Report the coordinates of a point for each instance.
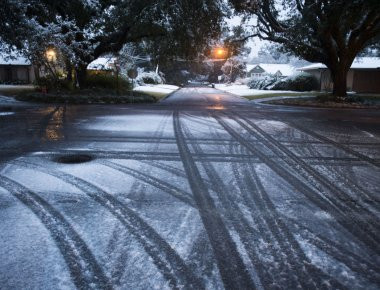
(159, 91)
(245, 91)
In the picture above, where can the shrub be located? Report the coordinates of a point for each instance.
(84, 97)
(301, 82)
(262, 83)
(53, 84)
(108, 81)
(149, 78)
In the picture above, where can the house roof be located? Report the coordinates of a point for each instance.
(102, 63)
(273, 68)
(19, 60)
(257, 69)
(359, 63)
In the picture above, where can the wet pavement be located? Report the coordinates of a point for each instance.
(203, 190)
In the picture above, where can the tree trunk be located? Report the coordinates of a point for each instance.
(69, 71)
(339, 77)
(81, 76)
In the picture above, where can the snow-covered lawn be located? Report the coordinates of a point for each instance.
(245, 91)
(158, 91)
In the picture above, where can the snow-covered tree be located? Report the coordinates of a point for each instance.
(233, 68)
(330, 32)
(85, 30)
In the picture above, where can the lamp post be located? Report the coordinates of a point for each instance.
(219, 54)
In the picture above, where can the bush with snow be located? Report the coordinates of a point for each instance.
(301, 82)
(233, 69)
(264, 82)
(151, 78)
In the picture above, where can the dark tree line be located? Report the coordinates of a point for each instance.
(81, 31)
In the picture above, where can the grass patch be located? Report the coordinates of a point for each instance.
(88, 96)
(352, 101)
(15, 90)
(156, 95)
(293, 94)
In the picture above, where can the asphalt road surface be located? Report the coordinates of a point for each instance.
(203, 190)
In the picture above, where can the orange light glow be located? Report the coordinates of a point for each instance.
(216, 107)
(51, 55)
(220, 52)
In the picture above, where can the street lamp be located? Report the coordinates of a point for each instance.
(220, 53)
(51, 55)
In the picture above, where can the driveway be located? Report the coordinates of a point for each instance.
(203, 190)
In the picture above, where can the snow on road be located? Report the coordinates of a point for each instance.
(235, 197)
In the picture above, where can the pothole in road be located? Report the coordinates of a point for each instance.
(73, 159)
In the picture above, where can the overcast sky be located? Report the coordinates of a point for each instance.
(255, 43)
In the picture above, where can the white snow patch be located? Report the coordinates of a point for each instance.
(15, 60)
(331, 266)
(270, 124)
(368, 134)
(323, 215)
(156, 89)
(102, 63)
(6, 113)
(359, 63)
(129, 123)
(245, 91)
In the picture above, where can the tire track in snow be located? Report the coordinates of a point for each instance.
(302, 187)
(167, 260)
(289, 255)
(231, 267)
(295, 256)
(234, 217)
(337, 198)
(350, 181)
(344, 148)
(84, 269)
(355, 263)
(155, 182)
(268, 229)
(116, 247)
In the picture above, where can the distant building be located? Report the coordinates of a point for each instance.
(16, 71)
(258, 70)
(102, 65)
(363, 76)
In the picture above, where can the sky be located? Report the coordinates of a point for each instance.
(255, 43)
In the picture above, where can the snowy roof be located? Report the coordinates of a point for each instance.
(273, 68)
(359, 63)
(19, 60)
(102, 63)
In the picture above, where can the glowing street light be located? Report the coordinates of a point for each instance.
(51, 55)
(220, 53)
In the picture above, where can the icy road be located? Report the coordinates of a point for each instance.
(203, 190)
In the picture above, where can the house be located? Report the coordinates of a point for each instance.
(18, 70)
(102, 65)
(280, 70)
(363, 76)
